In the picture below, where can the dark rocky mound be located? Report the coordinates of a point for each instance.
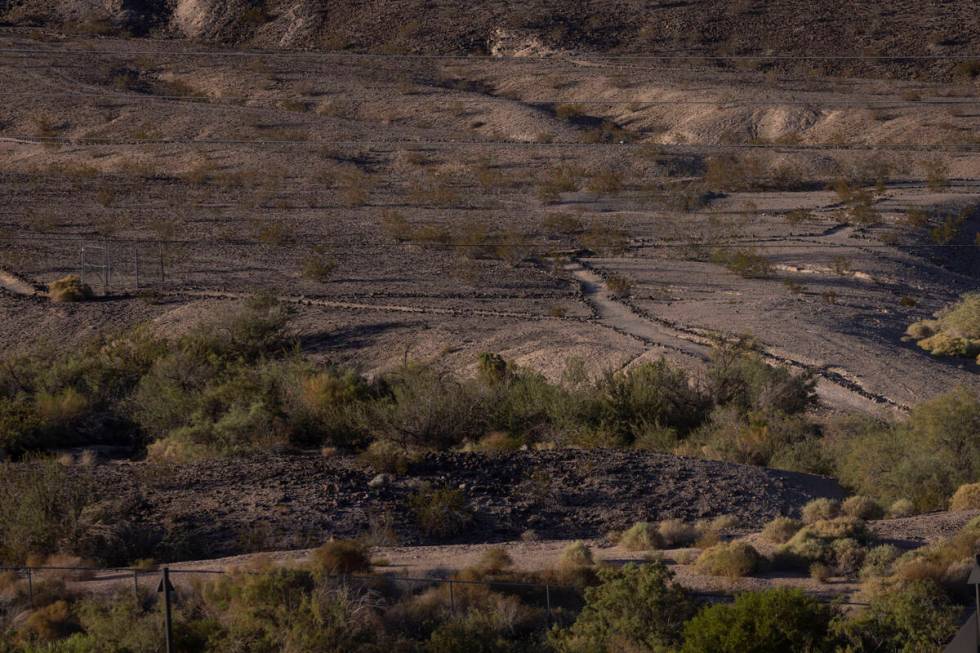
(224, 507)
(726, 27)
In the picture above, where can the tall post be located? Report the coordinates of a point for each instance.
(137, 257)
(547, 598)
(452, 598)
(30, 587)
(136, 583)
(105, 267)
(81, 263)
(168, 625)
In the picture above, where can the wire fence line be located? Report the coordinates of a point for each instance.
(28, 572)
(667, 148)
(341, 54)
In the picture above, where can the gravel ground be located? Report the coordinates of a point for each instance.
(280, 501)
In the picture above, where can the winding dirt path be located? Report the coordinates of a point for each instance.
(834, 385)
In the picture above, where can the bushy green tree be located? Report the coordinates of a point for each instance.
(771, 621)
(917, 618)
(636, 605)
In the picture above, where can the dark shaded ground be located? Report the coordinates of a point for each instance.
(279, 501)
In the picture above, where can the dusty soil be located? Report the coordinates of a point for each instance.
(440, 561)
(291, 501)
(232, 169)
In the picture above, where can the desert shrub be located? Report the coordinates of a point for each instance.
(641, 536)
(848, 556)
(495, 560)
(761, 622)
(557, 181)
(633, 606)
(820, 509)
(818, 542)
(781, 529)
(440, 512)
(326, 406)
(576, 554)
(771, 439)
(729, 559)
(746, 263)
(479, 631)
(954, 332)
(606, 182)
(48, 623)
(340, 557)
(937, 174)
(861, 507)
(739, 377)
(901, 508)
(41, 506)
(966, 497)
(918, 618)
(619, 285)
(923, 460)
(878, 561)
(427, 408)
(317, 266)
(69, 289)
(676, 533)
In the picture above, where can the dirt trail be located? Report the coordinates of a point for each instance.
(17, 285)
(836, 386)
(436, 561)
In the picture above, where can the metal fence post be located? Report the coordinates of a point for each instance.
(30, 587)
(168, 625)
(136, 583)
(547, 598)
(452, 598)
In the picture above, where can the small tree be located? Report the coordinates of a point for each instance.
(634, 608)
(772, 621)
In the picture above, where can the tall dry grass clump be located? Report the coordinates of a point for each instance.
(69, 289)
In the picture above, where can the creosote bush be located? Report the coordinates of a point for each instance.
(966, 497)
(820, 509)
(781, 529)
(729, 559)
(340, 557)
(641, 536)
(440, 512)
(861, 507)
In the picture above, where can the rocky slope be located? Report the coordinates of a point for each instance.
(283, 501)
(785, 27)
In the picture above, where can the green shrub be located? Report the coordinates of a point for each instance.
(641, 536)
(318, 266)
(819, 510)
(954, 332)
(729, 559)
(966, 497)
(918, 618)
(761, 622)
(781, 529)
(818, 542)
(41, 506)
(878, 561)
(440, 512)
(576, 554)
(340, 557)
(861, 507)
(746, 263)
(636, 606)
(924, 459)
(901, 508)
(676, 533)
